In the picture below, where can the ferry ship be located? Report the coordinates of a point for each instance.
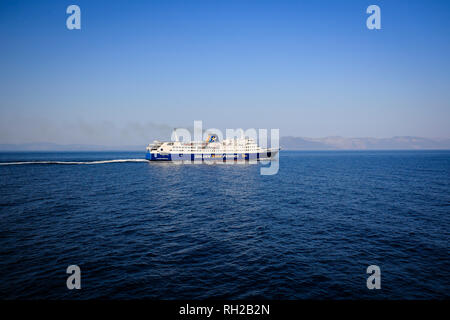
(236, 149)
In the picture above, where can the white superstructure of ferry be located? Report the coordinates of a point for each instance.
(236, 149)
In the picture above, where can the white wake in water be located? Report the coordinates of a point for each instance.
(72, 162)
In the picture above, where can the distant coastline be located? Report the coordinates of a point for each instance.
(286, 143)
(54, 147)
(341, 143)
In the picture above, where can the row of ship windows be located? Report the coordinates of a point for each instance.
(176, 149)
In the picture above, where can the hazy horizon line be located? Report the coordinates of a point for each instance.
(286, 143)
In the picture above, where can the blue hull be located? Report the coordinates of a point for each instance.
(205, 157)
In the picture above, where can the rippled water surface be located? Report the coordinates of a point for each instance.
(152, 230)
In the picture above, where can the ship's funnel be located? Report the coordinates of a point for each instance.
(212, 138)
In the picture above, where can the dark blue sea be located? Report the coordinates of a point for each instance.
(166, 231)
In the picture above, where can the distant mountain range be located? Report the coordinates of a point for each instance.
(340, 143)
(286, 143)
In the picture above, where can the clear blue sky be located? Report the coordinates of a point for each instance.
(309, 68)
